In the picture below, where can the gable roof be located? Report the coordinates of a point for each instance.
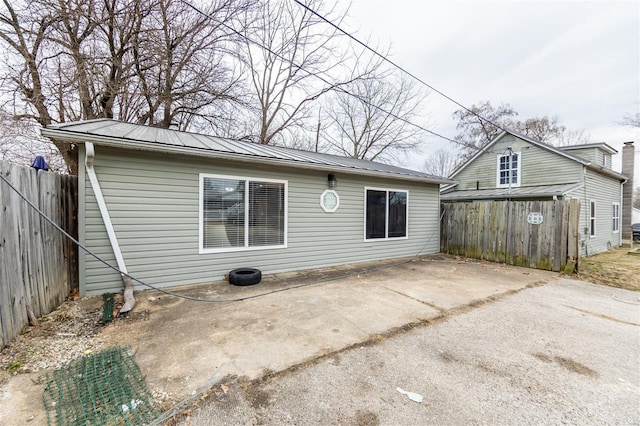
(547, 147)
(120, 134)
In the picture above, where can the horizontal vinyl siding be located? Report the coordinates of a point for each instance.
(590, 154)
(153, 204)
(538, 166)
(605, 191)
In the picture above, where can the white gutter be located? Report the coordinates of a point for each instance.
(129, 300)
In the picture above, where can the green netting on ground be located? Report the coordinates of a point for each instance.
(105, 388)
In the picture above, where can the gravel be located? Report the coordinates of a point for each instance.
(563, 353)
(61, 336)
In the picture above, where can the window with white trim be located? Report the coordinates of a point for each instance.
(238, 213)
(615, 217)
(508, 170)
(385, 214)
(592, 218)
(329, 201)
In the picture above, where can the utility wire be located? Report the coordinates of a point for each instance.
(337, 86)
(196, 299)
(386, 59)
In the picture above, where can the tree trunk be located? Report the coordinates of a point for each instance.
(69, 152)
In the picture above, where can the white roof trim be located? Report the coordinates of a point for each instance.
(524, 138)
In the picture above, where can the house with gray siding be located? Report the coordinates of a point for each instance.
(517, 167)
(174, 208)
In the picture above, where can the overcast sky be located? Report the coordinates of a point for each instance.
(577, 60)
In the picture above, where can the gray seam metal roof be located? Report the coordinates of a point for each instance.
(127, 135)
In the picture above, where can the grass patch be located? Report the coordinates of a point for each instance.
(615, 268)
(14, 366)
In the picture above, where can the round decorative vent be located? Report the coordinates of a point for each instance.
(329, 201)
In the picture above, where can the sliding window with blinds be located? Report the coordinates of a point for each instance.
(242, 213)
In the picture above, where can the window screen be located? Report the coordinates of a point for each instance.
(266, 214)
(242, 213)
(386, 214)
(397, 214)
(376, 214)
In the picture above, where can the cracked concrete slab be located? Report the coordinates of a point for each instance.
(184, 346)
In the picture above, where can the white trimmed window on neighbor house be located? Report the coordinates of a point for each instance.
(240, 213)
(385, 214)
(615, 217)
(508, 170)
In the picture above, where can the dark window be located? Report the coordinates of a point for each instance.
(386, 214)
(376, 214)
(397, 214)
(592, 219)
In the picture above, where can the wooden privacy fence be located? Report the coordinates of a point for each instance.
(38, 265)
(507, 231)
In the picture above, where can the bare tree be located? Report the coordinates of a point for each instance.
(443, 162)
(181, 65)
(20, 144)
(151, 61)
(632, 120)
(370, 118)
(287, 48)
(542, 129)
(477, 125)
(571, 137)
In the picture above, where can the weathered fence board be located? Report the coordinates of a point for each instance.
(38, 265)
(499, 231)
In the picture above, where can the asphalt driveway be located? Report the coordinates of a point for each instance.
(563, 353)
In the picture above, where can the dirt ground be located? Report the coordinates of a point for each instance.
(615, 268)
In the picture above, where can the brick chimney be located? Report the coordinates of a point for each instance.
(628, 154)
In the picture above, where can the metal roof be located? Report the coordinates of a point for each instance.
(541, 191)
(135, 136)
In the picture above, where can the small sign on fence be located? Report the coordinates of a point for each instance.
(535, 218)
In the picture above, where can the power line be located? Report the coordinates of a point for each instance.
(386, 59)
(334, 86)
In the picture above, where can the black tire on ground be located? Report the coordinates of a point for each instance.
(245, 276)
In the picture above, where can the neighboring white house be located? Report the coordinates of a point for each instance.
(185, 208)
(635, 216)
(517, 167)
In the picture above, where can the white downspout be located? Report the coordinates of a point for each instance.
(129, 300)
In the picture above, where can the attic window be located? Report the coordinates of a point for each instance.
(508, 170)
